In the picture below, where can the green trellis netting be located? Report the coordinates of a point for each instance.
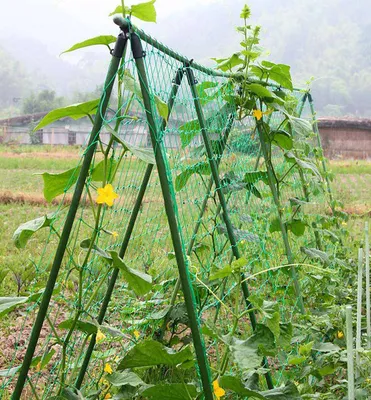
(193, 196)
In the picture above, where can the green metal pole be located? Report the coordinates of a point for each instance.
(272, 185)
(227, 221)
(228, 128)
(115, 61)
(304, 184)
(125, 242)
(166, 186)
(324, 167)
(215, 176)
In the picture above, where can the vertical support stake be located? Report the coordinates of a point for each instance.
(350, 362)
(359, 309)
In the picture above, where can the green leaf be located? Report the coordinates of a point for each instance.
(248, 354)
(287, 392)
(260, 90)
(303, 164)
(98, 173)
(171, 391)
(305, 349)
(85, 244)
(221, 273)
(256, 176)
(285, 337)
(131, 84)
(143, 154)
(275, 226)
(138, 281)
(282, 139)
(144, 11)
(225, 64)
(151, 352)
(8, 373)
(297, 360)
(124, 378)
(297, 227)
(300, 126)
(43, 360)
(326, 347)
(181, 180)
(56, 184)
(74, 111)
(82, 326)
(239, 234)
(25, 231)
(316, 254)
(203, 94)
(232, 383)
(188, 131)
(8, 304)
(98, 40)
(279, 73)
(162, 108)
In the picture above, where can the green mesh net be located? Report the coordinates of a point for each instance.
(212, 234)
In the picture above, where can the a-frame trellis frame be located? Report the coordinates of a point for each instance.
(166, 186)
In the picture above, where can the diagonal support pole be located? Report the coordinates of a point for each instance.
(128, 233)
(94, 135)
(223, 203)
(167, 189)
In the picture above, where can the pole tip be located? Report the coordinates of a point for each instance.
(122, 22)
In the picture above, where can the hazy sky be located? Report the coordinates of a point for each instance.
(60, 23)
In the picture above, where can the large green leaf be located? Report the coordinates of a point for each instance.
(297, 227)
(124, 378)
(143, 11)
(188, 131)
(25, 231)
(82, 326)
(225, 64)
(151, 352)
(74, 111)
(8, 304)
(199, 168)
(287, 392)
(98, 174)
(279, 73)
(300, 126)
(138, 281)
(98, 40)
(171, 391)
(282, 139)
(256, 176)
(235, 384)
(143, 154)
(248, 353)
(316, 254)
(56, 184)
(162, 108)
(304, 164)
(85, 244)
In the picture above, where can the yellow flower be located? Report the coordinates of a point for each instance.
(258, 114)
(106, 195)
(340, 335)
(114, 234)
(108, 369)
(107, 396)
(100, 336)
(136, 334)
(218, 391)
(38, 366)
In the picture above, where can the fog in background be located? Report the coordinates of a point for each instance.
(328, 41)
